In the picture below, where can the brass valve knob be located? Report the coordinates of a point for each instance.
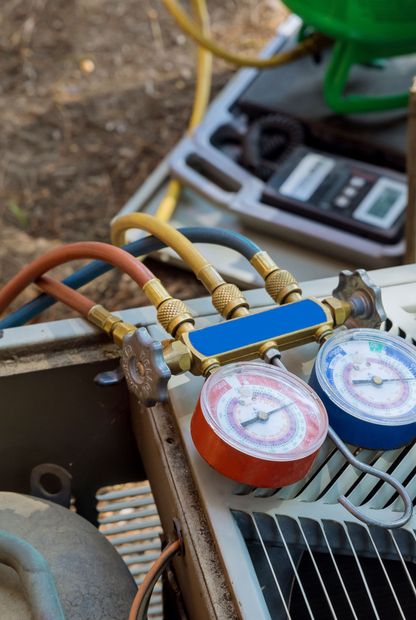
(144, 367)
(357, 288)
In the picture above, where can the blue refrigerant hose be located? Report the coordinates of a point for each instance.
(141, 247)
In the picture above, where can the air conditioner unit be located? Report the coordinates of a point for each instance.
(293, 552)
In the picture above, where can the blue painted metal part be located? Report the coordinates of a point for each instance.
(238, 333)
(359, 432)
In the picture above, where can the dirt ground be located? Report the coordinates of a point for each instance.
(93, 94)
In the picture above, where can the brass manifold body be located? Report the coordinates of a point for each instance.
(181, 355)
(314, 321)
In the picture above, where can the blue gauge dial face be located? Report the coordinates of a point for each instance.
(370, 375)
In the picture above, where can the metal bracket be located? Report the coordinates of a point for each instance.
(110, 377)
(52, 482)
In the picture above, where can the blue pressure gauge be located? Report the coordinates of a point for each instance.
(367, 381)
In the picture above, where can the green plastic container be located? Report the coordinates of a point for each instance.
(364, 31)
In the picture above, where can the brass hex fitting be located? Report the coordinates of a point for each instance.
(229, 301)
(112, 325)
(177, 356)
(283, 287)
(174, 316)
(340, 309)
(269, 351)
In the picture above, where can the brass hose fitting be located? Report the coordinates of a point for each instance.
(177, 356)
(172, 314)
(280, 284)
(111, 324)
(227, 298)
(283, 287)
(339, 308)
(229, 301)
(175, 317)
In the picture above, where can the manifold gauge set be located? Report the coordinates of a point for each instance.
(263, 427)
(258, 424)
(255, 422)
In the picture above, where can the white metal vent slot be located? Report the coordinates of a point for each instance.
(128, 518)
(327, 570)
(310, 565)
(331, 474)
(395, 329)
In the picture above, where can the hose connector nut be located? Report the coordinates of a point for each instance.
(283, 287)
(174, 316)
(227, 299)
(269, 352)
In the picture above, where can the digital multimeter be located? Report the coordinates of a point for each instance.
(360, 198)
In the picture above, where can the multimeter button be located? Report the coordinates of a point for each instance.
(342, 201)
(350, 192)
(357, 181)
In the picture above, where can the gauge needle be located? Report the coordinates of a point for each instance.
(379, 381)
(263, 416)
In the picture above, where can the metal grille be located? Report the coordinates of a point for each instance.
(324, 569)
(128, 518)
(310, 566)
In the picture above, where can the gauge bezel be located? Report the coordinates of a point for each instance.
(373, 335)
(274, 373)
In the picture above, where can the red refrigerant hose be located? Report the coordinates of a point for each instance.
(66, 295)
(73, 251)
(140, 601)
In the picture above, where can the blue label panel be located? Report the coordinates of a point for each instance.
(238, 333)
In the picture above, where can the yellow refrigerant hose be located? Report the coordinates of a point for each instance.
(227, 298)
(309, 45)
(169, 202)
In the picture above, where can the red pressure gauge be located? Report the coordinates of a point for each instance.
(258, 424)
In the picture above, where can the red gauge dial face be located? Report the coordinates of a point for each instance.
(264, 411)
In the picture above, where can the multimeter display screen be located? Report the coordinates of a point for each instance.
(384, 202)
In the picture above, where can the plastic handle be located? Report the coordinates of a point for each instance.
(344, 55)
